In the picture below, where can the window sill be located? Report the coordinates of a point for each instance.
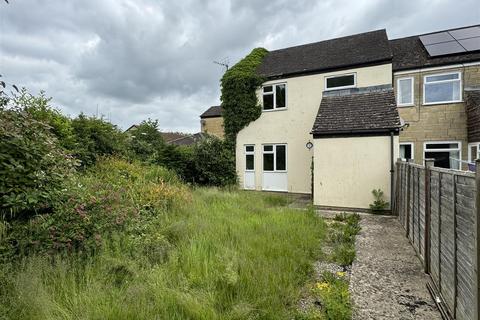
(276, 109)
(410, 105)
(441, 102)
(340, 88)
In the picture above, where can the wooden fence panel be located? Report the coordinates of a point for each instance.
(449, 238)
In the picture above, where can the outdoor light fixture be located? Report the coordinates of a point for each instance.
(309, 145)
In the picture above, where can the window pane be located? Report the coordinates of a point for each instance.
(280, 96)
(448, 160)
(443, 77)
(268, 148)
(250, 163)
(268, 89)
(406, 151)
(281, 158)
(439, 92)
(268, 162)
(341, 81)
(268, 102)
(442, 146)
(249, 148)
(405, 94)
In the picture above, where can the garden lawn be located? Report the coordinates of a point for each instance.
(218, 255)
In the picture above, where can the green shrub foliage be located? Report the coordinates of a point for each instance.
(379, 204)
(146, 141)
(215, 163)
(33, 165)
(239, 99)
(96, 138)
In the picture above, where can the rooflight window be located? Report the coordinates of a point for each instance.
(442, 88)
(275, 96)
(341, 82)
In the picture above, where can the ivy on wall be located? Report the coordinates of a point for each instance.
(239, 99)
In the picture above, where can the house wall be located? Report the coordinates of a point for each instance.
(348, 169)
(213, 126)
(293, 124)
(439, 122)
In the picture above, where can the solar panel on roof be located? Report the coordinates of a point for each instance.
(442, 48)
(471, 44)
(452, 41)
(466, 33)
(436, 38)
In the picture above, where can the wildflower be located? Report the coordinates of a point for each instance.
(340, 274)
(323, 285)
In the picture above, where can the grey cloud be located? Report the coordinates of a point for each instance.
(136, 59)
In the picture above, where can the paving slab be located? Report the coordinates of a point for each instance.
(387, 279)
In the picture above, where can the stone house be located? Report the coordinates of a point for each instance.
(338, 113)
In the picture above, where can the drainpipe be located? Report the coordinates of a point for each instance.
(391, 170)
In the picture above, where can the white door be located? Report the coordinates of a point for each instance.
(275, 167)
(249, 177)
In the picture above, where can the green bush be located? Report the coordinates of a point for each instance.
(146, 141)
(110, 197)
(96, 138)
(214, 163)
(379, 204)
(39, 108)
(33, 166)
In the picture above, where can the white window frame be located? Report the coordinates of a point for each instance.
(470, 155)
(408, 144)
(274, 93)
(443, 81)
(459, 149)
(354, 74)
(274, 152)
(408, 104)
(249, 153)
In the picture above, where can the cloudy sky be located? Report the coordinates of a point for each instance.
(138, 59)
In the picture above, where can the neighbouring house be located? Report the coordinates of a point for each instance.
(338, 113)
(211, 121)
(176, 138)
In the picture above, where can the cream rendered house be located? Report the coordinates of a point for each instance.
(336, 114)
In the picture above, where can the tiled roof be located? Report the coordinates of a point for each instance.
(472, 99)
(212, 112)
(409, 53)
(169, 136)
(360, 49)
(357, 111)
(189, 139)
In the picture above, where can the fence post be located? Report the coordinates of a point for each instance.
(428, 164)
(477, 242)
(407, 216)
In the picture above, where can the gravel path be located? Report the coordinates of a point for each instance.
(387, 279)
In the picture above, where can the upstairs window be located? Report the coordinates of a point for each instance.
(343, 81)
(275, 96)
(405, 91)
(442, 88)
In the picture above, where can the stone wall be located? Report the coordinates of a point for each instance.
(439, 122)
(213, 126)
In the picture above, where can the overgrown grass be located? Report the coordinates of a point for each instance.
(220, 255)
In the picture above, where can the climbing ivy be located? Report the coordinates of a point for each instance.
(239, 99)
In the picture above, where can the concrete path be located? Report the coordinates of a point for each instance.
(387, 280)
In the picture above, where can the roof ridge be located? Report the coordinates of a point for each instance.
(326, 40)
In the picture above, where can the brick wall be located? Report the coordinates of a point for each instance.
(440, 122)
(213, 126)
(472, 100)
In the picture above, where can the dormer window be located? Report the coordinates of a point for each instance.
(274, 96)
(343, 81)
